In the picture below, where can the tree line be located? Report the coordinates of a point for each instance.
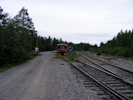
(121, 45)
(18, 38)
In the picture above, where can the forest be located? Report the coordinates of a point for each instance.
(18, 39)
(121, 45)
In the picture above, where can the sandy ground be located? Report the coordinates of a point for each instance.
(43, 78)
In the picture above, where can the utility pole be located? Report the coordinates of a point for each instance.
(132, 30)
(36, 48)
(36, 39)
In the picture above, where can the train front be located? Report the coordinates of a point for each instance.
(62, 49)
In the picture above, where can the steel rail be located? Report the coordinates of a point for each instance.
(112, 65)
(112, 91)
(111, 73)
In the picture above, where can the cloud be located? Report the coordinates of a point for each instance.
(94, 35)
(76, 20)
(121, 16)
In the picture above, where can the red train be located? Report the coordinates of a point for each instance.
(62, 48)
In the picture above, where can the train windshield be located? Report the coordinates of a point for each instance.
(61, 47)
(65, 47)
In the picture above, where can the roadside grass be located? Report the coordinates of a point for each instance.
(39, 54)
(68, 57)
(5, 67)
(8, 66)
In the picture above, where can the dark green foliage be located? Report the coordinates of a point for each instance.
(17, 37)
(121, 45)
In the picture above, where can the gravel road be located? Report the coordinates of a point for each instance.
(43, 78)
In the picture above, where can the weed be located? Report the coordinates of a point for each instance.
(68, 57)
(76, 60)
(8, 66)
(39, 54)
(5, 67)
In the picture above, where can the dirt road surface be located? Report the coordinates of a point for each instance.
(42, 78)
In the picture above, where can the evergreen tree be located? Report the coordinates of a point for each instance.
(26, 29)
(55, 42)
(4, 19)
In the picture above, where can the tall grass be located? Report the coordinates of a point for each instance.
(68, 57)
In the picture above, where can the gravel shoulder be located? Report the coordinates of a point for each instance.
(43, 78)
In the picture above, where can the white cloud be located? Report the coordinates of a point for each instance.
(65, 18)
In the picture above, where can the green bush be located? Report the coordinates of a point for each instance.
(127, 53)
(120, 53)
(116, 50)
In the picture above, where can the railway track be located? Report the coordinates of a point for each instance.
(124, 74)
(92, 84)
(110, 82)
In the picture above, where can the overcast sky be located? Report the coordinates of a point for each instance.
(89, 21)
